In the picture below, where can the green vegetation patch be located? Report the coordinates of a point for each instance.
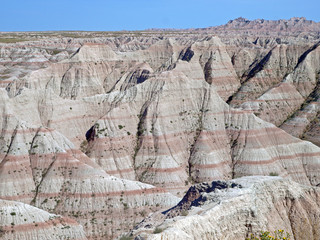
(12, 40)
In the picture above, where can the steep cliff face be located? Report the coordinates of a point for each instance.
(174, 129)
(237, 208)
(279, 80)
(276, 95)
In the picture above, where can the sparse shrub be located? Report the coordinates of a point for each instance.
(143, 213)
(55, 51)
(125, 206)
(265, 235)
(2, 232)
(273, 174)
(84, 146)
(126, 238)
(184, 213)
(157, 230)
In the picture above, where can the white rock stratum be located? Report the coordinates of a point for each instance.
(234, 209)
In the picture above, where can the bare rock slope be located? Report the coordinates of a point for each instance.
(41, 167)
(105, 128)
(174, 129)
(235, 209)
(22, 221)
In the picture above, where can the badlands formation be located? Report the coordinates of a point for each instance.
(234, 209)
(103, 132)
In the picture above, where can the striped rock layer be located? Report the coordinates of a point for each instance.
(174, 129)
(22, 221)
(150, 114)
(280, 83)
(40, 166)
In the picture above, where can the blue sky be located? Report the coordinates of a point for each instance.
(110, 15)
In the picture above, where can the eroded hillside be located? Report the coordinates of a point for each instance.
(104, 128)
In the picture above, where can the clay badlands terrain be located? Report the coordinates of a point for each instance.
(161, 134)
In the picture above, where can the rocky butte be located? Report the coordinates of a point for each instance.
(161, 134)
